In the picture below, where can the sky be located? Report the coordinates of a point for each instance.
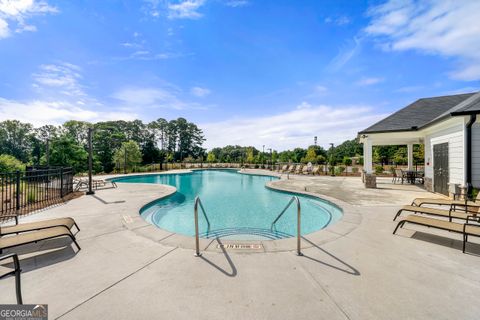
(249, 72)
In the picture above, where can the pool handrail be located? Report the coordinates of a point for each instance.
(299, 213)
(195, 212)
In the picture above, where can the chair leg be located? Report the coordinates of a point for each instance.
(18, 287)
(400, 224)
(75, 241)
(465, 239)
(76, 226)
(398, 213)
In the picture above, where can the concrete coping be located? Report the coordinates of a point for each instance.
(347, 223)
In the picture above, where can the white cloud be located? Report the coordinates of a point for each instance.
(18, 11)
(442, 27)
(339, 21)
(236, 3)
(368, 81)
(345, 54)
(61, 78)
(38, 112)
(185, 9)
(167, 97)
(200, 92)
(294, 128)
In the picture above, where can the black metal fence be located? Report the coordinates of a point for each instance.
(25, 191)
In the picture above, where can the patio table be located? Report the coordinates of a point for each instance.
(413, 175)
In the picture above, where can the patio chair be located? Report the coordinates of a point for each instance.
(291, 168)
(315, 170)
(450, 214)
(37, 225)
(466, 229)
(16, 272)
(284, 168)
(399, 175)
(35, 236)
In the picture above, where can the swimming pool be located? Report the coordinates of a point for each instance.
(238, 206)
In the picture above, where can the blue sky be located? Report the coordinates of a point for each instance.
(253, 72)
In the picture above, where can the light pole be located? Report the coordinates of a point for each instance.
(271, 161)
(90, 162)
(331, 159)
(263, 154)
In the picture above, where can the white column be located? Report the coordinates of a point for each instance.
(410, 156)
(367, 156)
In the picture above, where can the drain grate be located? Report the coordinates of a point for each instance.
(240, 246)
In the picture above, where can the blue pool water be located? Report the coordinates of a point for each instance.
(237, 205)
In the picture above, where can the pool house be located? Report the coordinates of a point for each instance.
(448, 128)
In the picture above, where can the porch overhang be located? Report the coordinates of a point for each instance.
(408, 138)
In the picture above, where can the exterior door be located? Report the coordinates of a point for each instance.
(440, 168)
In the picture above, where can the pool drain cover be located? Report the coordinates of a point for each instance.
(240, 246)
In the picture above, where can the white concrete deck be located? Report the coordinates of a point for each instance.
(355, 269)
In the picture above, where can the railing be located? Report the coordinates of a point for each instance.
(198, 203)
(22, 192)
(299, 213)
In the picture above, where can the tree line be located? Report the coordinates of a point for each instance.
(115, 143)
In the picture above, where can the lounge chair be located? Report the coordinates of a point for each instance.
(284, 168)
(446, 202)
(35, 236)
(305, 170)
(450, 214)
(467, 229)
(291, 169)
(37, 225)
(315, 170)
(298, 169)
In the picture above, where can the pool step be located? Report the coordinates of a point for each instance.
(255, 232)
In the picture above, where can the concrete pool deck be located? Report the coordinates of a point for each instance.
(127, 270)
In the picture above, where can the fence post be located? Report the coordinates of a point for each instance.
(17, 195)
(61, 182)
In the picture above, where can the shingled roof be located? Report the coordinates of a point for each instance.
(426, 111)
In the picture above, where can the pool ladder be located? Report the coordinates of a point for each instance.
(299, 214)
(198, 203)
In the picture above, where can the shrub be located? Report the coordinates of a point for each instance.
(378, 169)
(339, 170)
(347, 161)
(355, 170)
(9, 163)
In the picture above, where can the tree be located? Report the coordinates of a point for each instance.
(64, 151)
(347, 161)
(9, 163)
(311, 155)
(15, 139)
(133, 154)
(250, 155)
(211, 157)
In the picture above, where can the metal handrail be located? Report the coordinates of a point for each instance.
(299, 213)
(195, 212)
